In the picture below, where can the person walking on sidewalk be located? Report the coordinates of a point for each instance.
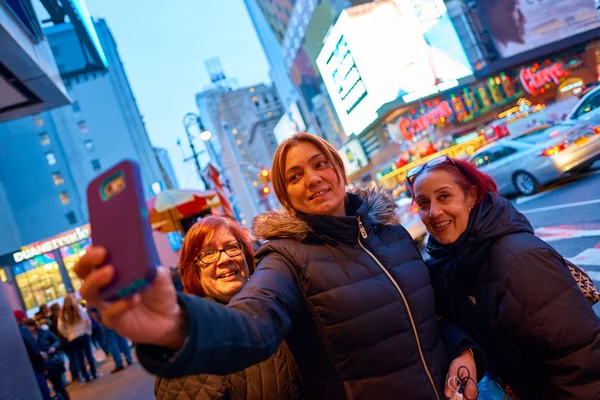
(53, 359)
(118, 345)
(75, 325)
(64, 342)
(217, 259)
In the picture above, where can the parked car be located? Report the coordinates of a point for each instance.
(588, 107)
(524, 163)
(409, 218)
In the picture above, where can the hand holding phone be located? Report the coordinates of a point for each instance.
(119, 223)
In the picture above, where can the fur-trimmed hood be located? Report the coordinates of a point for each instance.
(280, 224)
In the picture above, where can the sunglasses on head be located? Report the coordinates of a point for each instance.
(412, 173)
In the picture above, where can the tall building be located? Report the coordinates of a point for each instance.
(243, 121)
(49, 158)
(166, 167)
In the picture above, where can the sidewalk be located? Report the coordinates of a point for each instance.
(132, 383)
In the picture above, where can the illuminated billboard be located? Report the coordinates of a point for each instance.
(291, 122)
(517, 26)
(390, 51)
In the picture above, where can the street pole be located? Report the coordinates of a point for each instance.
(188, 120)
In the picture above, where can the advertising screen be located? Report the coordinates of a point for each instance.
(390, 51)
(291, 122)
(517, 26)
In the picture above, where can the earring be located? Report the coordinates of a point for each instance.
(470, 208)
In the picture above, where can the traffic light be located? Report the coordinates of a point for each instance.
(264, 176)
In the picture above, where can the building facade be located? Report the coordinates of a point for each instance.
(48, 159)
(243, 120)
(168, 173)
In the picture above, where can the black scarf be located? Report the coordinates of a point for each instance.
(454, 267)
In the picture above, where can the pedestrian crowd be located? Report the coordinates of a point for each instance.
(60, 338)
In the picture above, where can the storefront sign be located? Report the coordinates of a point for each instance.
(409, 125)
(71, 237)
(572, 84)
(536, 77)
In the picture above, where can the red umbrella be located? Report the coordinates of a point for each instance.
(169, 206)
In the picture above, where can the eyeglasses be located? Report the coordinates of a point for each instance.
(414, 171)
(212, 256)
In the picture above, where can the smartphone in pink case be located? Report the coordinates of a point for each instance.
(119, 222)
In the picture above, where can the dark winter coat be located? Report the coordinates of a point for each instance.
(351, 296)
(276, 377)
(515, 295)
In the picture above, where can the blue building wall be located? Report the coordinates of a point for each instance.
(102, 127)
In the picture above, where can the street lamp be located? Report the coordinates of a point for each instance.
(205, 136)
(189, 120)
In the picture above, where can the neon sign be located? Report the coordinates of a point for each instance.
(409, 126)
(535, 79)
(71, 237)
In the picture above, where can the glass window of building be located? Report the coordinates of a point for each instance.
(82, 126)
(76, 107)
(96, 165)
(70, 255)
(51, 158)
(44, 139)
(55, 51)
(58, 179)
(89, 145)
(64, 198)
(39, 280)
(71, 218)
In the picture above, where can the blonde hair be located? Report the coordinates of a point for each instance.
(278, 168)
(70, 314)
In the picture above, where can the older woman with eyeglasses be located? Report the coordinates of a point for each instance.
(509, 289)
(216, 261)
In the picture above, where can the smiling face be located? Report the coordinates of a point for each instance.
(226, 277)
(444, 206)
(312, 183)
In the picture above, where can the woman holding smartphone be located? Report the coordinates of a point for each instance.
(340, 280)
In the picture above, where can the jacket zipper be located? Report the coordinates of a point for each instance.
(364, 235)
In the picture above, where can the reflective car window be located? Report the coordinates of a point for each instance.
(481, 159)
(591, 103)
(543, 135)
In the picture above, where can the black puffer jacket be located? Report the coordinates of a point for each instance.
(514, 293)
(355, 306)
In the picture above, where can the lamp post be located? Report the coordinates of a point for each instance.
(189, 120)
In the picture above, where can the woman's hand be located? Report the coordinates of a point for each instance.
(465, 359)
(151, 316)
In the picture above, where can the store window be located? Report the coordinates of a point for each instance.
(39, 280)
(64, 198)
(44, 139)
(70, 255)
(51, 158)
(58, 179)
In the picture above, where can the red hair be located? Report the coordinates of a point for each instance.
(196, 237)
(467, 176)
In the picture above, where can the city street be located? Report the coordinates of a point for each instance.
(567, 215)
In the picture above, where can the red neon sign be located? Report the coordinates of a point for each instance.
(409, 126)
(534, 79)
